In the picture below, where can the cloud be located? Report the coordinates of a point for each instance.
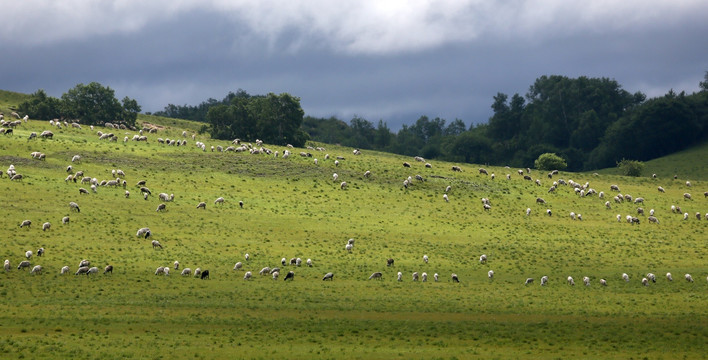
(367, 27)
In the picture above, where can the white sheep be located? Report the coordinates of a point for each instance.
(247, 257)
(645, 282)
(37, 269)
(446, 198)
(343, 185)
(176, 265)
(687, 196)
(528, 281)
(64, 270)
(669, 277)
(490, 274)
(571, 281)
(625, 277)
(94, 270)
(603, 282)
(298, 262)
(219, 200)
(264, 271)
(685, 216)
(349, 247)
(186, 272)
(238, 266)
(424, 277)
(201, 205)
(436, 277)
(7, 265)
(651, 277)
(400, 276)
(483, 259)
(309, 262)
(247, 275)
(661, 189)
(544, 280)
(367, 174)
(528, 211)
(415, 276)
(275, 275)
(26, 223)
(688, 277)
(335, 177)
(425, 259)
(586, 281)
(454, 277)
(197, 272)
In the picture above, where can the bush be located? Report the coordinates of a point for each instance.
(631, 167)
(550, 161)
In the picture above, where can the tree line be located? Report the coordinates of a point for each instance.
(92, 104)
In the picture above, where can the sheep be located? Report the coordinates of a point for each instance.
(309, 262)
(240, 204)
(698, 216)
(283, 261)
(298, 262)
(348, 247)
(653, 219)
(93, 188)
(343, 185)
(64, 270)
(289, 276)
(528, 281)
(607, 205)
(275, 269)
(197, 272)
(82, 270)
(687, 196)
(399, 276)
(160, 270)
(540, 201)
(7, 265)
(490, 274)
(454, 278)
(74, 206)
(186, 272)
(528, 211)
(457, 168)
(424, 277)
(264, 271)
(586, 281)
(238, 266)
(651, 277)
(640, 211)
(639, 200)
(688, 277)
(293, 261)
(688, 183)
(549, 212)
(615, 188)
(436, 277)
(143, 232)
(685, 216)
(425, 259)
(28, 254)
(571, 282)
(84, 263)
(166, 198)
(645, 282)
(389, 262)
(628, 197)
(219, 200)
(661, 189)
(22, 265)
(483, 259)
(415, 276)
(572, 215)
(705, 194)
(376, 275)
(651, 212)
(328, 276)
(37, 269)
(275, 275)
(669, 277)
(603, 282)
(625, 277)
(76, 158)
(204, 274)
(108, 269)
(26, 223)
(40, 251)
(619, 217)
(544, 280)
(156, 244)
(201, 205)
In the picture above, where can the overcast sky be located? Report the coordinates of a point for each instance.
(381, 59)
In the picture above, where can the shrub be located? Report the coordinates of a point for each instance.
(631, 167)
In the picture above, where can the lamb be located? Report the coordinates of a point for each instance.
(201, 205)
(108, 269)
(37, 269)
(454, 278)
(490, 274)
(219, 200)
(688, 277)
(400, 276)
(26, 223)
(156, 244)
(544, 280)
(329, 276)
(247, 275)
(64, 270)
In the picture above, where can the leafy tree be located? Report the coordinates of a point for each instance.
(41, 106)
(95, 104)
(631, 167)
(550, 161)
(704, 84)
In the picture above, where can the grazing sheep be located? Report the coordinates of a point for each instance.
(156, 244)
(685, 216)
(28, 254)
(247, 275)
(7, 265)
(651, 212)
(94, 270)
(661, 189)
(688, 277)
(40, 251)
(528, 211)
(400, 276)
(446, 198)
(336, 162)
(619, 217)
(186, 272)
(544, 280)
(483, 259)
(640, 211)
(161, 207)
(26, 223)
(457, 168)
(405, 164)
(572, 215)
(284, 262)
(625, 277)
(108, 269)
(343, 185)
(328, 276)
(389, 262)
(571, 281)
(275, 275)
(293, 261)
(37, 269)
(653, 219)
(490, 274)
(698, 216)
(645, 282)
(424, 277)
(84, 263)
(143, 232)
(528, 281)
(197, 272)
(64, 270)
(425, 259)
(23, 264)
(428, 165)
(82, 270)
(349, 247)
(607, 205)
(614, 187)
(415, 276)
(603, 282)
(454, 278)
(688, 183)
(586, 281)
(201, 205)
(367, 174)
(204, 275)
(540, 201)
(487, 207)
(219, 200)
(309, 262)
(549, 212)
(651, 277)
(238, 266)
(160, 270)
(448, 188)
(639, 200)
(436, 277)
(276, 269)
(74, 206)
(687, 196)
(264, 271)
(298, 262)
(669, 277)
(290, 276)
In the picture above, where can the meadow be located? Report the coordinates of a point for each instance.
(293, 208)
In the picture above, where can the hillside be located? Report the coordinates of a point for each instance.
(292, 208)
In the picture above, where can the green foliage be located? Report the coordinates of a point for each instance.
(550, 161)
(41, 106)
(95, 104)
(631, 167)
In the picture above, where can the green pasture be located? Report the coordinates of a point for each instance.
(294, 208)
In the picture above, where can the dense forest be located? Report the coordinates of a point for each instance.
(590, 122)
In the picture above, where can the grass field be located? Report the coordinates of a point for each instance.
(293, 208)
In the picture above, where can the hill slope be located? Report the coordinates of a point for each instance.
(293, 208)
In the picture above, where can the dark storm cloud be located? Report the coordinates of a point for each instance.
(390, 61)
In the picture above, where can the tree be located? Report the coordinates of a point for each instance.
(550, 161)
(704, 84)
(41, 106)
(95, 104)
(631, 167)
